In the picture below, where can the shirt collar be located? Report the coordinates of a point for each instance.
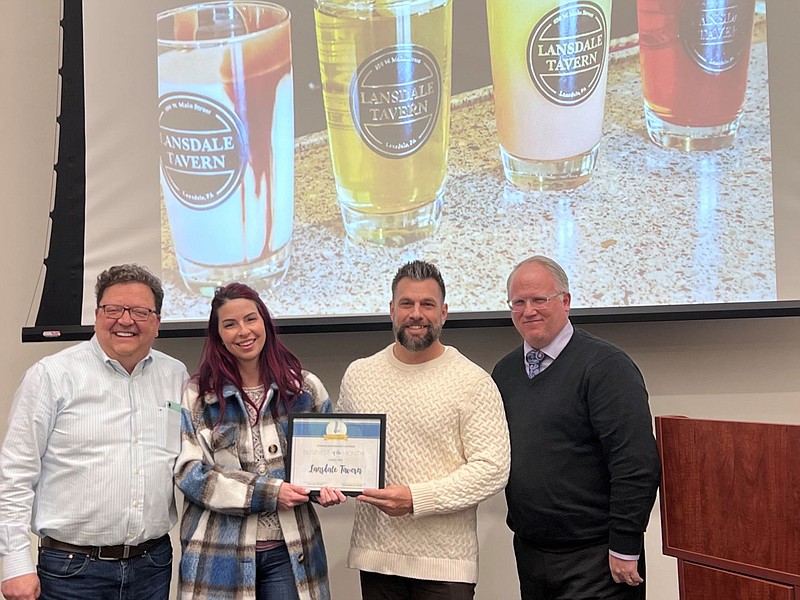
(115, 364)
(554, 348)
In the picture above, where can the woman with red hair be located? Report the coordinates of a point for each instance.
(246, 532)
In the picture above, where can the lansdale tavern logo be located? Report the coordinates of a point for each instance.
(716, 33)
(202, 154)
(395, 97)
(567, 52)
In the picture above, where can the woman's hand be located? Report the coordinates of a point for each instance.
(290, 496)
(330, 496)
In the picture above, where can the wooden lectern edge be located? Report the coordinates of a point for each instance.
(702, 559)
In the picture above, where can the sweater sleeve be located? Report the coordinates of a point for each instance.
(620, 416)
(215, 480)
(484, 435)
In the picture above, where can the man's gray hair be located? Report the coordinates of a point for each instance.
(559, 275)
(129, 273)
(418, 270)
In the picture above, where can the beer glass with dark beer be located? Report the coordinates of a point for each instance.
(694, 56)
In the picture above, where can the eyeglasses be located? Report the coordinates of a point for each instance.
(518, 305)
(137, 313)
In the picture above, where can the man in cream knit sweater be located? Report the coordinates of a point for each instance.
(447, 450)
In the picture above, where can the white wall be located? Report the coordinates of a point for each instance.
(740, 369)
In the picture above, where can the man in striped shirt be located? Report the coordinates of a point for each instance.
(87, 461)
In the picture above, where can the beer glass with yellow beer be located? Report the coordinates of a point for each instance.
(549, 69)
(385, 67)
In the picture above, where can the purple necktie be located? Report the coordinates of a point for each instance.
(534, 359)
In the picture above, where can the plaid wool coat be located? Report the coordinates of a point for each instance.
(223, 495)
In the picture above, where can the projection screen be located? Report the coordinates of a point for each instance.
(196, 142)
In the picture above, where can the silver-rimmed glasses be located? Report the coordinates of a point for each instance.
(518, 305)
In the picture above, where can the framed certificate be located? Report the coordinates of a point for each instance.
(337, 450)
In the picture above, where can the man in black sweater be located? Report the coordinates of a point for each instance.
(584, 464)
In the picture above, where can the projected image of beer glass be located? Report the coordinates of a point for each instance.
(385, 67)
(549, 69)
(694, 56)
(226, 122)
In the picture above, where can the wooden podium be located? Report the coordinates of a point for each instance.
(730, 507)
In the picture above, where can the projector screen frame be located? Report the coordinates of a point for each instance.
(464, 320)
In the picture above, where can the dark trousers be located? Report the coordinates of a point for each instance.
(73, 576)
(376, 586)
(581, 574)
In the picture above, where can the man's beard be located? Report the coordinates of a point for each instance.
(417, 344)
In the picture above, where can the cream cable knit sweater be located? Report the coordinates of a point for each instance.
(447, 439)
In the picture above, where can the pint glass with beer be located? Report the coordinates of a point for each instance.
(549, 69)
(226, 123)
(385, 67)
(694, 56)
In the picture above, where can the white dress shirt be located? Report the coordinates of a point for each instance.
(89, 453)
(553, 349)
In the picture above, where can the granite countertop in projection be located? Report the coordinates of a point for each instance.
(650, 223)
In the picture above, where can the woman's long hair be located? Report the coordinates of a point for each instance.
(277, 365)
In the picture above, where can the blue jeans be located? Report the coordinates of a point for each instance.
(274, 575)
(73, 576)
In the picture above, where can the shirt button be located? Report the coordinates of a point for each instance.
(272, 448)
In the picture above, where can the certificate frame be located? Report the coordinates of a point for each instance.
(346, 451)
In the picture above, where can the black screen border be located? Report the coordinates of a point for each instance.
(462, 320)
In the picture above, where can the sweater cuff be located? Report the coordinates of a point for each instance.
(422, 499)
(17, 563)
(625, 543)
